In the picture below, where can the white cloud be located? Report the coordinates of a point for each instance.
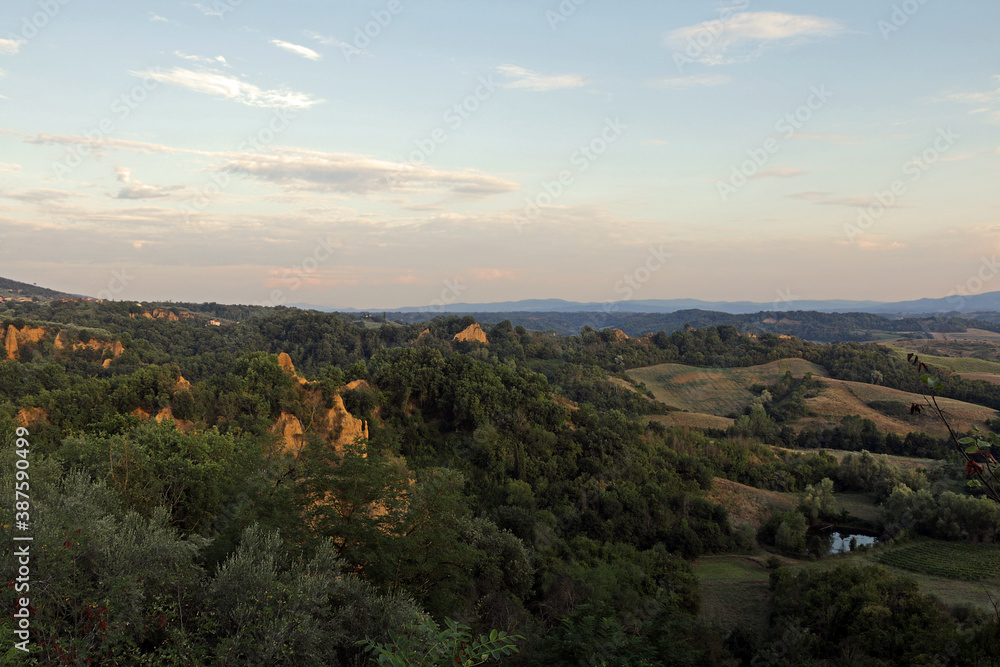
(297, 49)
(218, 9)
(9, 168)
(328, 41)
(989, 98)
(682, 82)
(744, 36)
(217, 60)
(135, 189)
(522, 78)
(230, 87)
(779, 172)
(10, 46)
(156, 18)
(296, 169)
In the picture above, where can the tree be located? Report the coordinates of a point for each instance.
(424, 644)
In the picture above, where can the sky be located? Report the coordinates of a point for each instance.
(425, 152)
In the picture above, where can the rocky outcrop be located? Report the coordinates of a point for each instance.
(15, 339)
(285, 362)
(28, 417)
(181, 383)
(290, 431)
(10, 342)
(358, 384)
(343, 427)
(169, 315)
(472, 332)
(619, 335)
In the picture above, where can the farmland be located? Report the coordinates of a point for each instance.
(954, 560)
(723, 392)
(716, 391)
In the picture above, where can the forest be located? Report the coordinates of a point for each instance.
(222, 485)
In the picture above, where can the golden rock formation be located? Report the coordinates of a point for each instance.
(31, 416)
(472, 332)
(10, 342)
(285, 362)
(289, 428)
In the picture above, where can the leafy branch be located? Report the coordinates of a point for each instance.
(980, 464)
(425, 645)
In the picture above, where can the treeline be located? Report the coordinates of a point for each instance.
(808, 325)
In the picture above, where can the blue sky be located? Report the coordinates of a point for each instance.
(397, 153)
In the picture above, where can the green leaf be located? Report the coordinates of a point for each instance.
(966, 440)
(972, 449)
(974, 484)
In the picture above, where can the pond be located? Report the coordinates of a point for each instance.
(841, 543)
(833, 540)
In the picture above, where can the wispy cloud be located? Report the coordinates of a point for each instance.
(523, 78)
(156, 18)
(230, 87)
(298, 170)
(134, 189)
(295, 169)
(297, 49)
(218, 9)
(828, 199)
(986, 102)
(9, 168)
(330, 41)
(694, 81)
(207, 60)
(745, 36)
(10, 46)
(779, 172)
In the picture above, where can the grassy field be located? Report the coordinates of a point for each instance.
(959, 364)
(715, 391)
(952, 560)
(859, 505)
(718, 392)
(734, 591)
(746, 503)
(734, 588)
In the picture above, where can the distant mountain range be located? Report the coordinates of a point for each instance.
(989, 302)
(958, 305)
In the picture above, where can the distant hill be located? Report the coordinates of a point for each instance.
(988, 302)
(12, 289)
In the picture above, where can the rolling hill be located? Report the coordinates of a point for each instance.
(710, 394)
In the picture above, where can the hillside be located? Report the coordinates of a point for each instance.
(723, 392)
(12, 289)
